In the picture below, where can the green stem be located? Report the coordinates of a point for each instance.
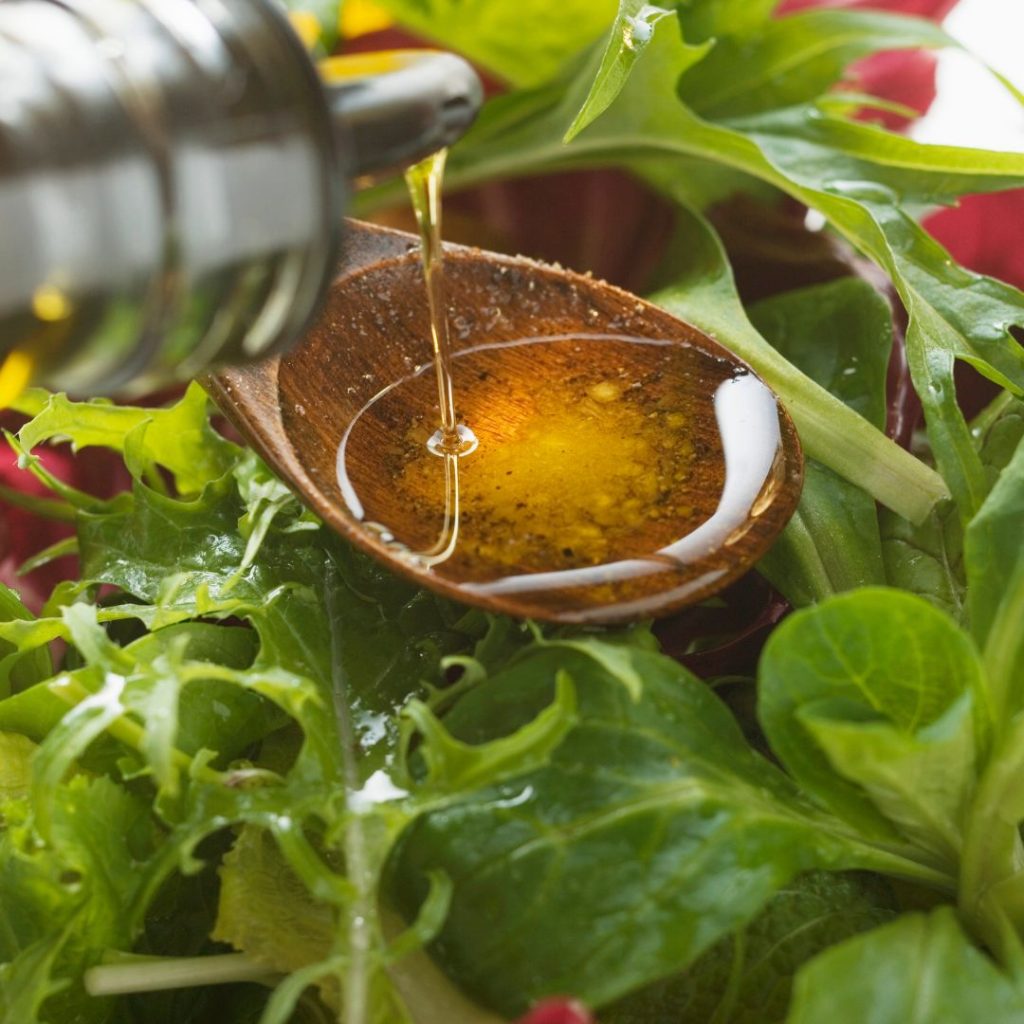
(989, 416)
(49, 508)
(838, 437)
(62, 548)
(361, 924)
(72, 692)
(146, 974)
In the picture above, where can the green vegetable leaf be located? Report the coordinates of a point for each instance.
(995, 573)
(875, 701)
(15, 771)
(265, 910)
(631, 32)
(746, 978)
(27, 982)
(795, 59)
(870, 185)
(997, 431)
(927, 558)
(704, 294)
(840, 334)
(917, 969)
(332, 646)
(650, 801)
(65, 901)
(492, 33)
(19, 668)
(179, 438)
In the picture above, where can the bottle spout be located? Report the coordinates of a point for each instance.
(392, 109)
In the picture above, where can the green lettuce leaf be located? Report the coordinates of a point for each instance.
(876, 702)
(67, 899)
(995, 573)
(15, 766)
(19, 669)
(920, 968)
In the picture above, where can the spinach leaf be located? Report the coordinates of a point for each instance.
(926, 558)
(631, 32)
(747, 977)
(794, 60)
(997, 431)
(920, 968)
(651, 832)
(876, 702)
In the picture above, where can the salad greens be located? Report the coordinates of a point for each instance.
(247, 775)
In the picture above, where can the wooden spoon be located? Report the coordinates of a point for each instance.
(740, 484)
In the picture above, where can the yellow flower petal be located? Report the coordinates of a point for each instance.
(360, 17)
(15, 375)
(306, 26)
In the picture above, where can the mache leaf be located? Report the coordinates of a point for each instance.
(876, 702)
(919, 968)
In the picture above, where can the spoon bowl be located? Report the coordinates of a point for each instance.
(329, 416)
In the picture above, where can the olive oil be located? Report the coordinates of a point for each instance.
(604, 463)
(613, 468)
(424, 183)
